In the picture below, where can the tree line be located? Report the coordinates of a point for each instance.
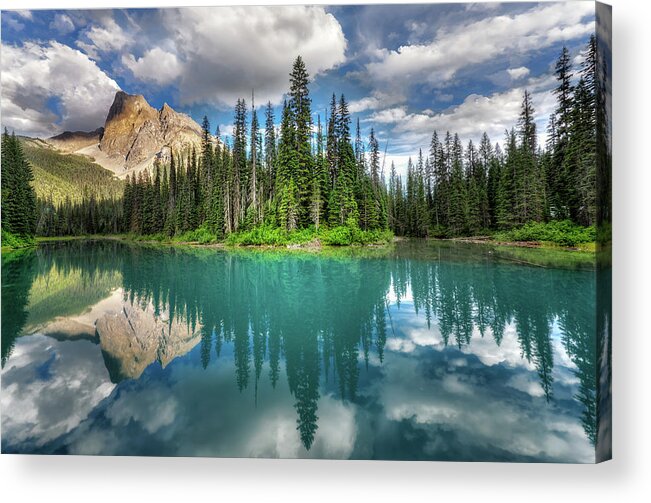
(326, 178)
(306, 175)
(299, 179)
(453, 191)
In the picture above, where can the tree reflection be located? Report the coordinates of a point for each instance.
(18, 272)
(324, 318)
(58, 279)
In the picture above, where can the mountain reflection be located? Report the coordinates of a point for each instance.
(323, 318)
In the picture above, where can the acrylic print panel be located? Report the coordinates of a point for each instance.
(347, 232)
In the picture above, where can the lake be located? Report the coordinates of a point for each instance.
(421, 350)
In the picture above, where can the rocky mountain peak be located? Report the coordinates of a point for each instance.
(135, 133)
(128, 105)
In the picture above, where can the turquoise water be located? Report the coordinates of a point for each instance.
(420, 351)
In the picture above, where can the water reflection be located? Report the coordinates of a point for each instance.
(390, 353)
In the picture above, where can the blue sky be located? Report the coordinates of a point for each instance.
(406, 70)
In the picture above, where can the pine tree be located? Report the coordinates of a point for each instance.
(255, 159)
(270, 150)
(206, 169)
(320, 181)
(458, 216)
(239, 177)
(18, 196)
(558, 178)
(332, 150)
(170, 215)
(580, 159)
(505, 197)
(528, 184)
(300, 105)
(342, 204)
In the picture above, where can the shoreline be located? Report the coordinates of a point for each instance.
(532, 245)
(315, 245)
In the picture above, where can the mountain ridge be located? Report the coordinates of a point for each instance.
(134, 135)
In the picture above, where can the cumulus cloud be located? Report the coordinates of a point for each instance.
(156, 65)
(36, 411)
(36, 76)
(518, 73)
(201, 412)
(377, 100)
(25, 14)
(13, 22)
(62, 23)
(219, 53)
(477, 42)
(362, 104)
(103, 37)
(493, 114)
(478, 413)
(388, 116)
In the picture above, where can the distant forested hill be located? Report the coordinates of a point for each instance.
(58, 175)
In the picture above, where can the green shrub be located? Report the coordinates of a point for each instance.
(562, 233)
(438, 231)
(202, 235)
(374, 236)
(258, 236)
(10, 240)
(302, 236)
(338, 236)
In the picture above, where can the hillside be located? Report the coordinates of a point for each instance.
(57, 174)
(71, 141)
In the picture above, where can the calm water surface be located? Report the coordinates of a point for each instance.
(422, 351)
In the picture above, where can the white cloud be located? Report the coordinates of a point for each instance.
(139, 405)
(377, 100)
(451, 50)
(366, 103)
(157, 65)
(34, 74)
(226, 130)
(25, 14)
(62, 23)
(13, 23)
(104, 37)
(221, 49)
(444, 96)
(493, 114)
(479, 420)
(518, 73)
(388, 116)
(39, 410)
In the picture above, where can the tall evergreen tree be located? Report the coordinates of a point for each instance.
(270, 150)
(18, 196)
(558, 178)
(300, 104)
(239, 178)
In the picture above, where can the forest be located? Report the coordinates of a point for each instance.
(305, 181)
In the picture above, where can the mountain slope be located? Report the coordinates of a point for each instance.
(59, 175)
(71, 141)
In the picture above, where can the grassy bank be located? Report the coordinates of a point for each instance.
(563, 234)
(276, 237)
(13, 242)
(561, 237)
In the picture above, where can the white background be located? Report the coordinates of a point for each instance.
(626, 478)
